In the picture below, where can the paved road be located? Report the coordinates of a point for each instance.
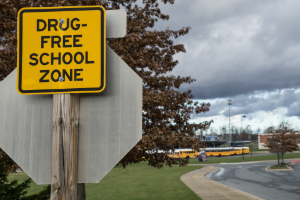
(260, 154)
(238, 156)
(245, 155)
(254, 179)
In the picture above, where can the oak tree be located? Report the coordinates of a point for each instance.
(287, 139)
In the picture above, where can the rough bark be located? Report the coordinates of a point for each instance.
(65, 146)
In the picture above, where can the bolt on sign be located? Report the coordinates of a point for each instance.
(61, 50)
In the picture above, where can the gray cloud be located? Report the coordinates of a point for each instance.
(237, 47)
(267, 102)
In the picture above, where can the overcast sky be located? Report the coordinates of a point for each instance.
(248, 51)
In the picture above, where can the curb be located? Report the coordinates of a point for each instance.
(240, 163)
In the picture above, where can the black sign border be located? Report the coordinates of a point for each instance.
(73, 90)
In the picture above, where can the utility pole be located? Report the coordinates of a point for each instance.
(241, 135)
(250, 136)
(229, 103)
(278, 150)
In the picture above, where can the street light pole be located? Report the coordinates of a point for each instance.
(250, 136)
(241, 135)
(229, 103)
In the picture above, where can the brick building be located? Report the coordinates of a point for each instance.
(262, 139)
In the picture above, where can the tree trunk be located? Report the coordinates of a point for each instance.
(81, 191)
(282, 157)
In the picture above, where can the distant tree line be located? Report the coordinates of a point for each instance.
(237, 133)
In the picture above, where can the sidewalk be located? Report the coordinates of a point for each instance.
(208, 189)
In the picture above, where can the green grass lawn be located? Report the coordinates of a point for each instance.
(138, 181)
(259, 150)
(280, 167)
(228, 159)
(266, 150)
(21, 176)
(254, 145)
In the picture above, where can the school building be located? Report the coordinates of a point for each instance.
(263, 138)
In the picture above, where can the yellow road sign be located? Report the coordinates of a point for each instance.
(61, 50)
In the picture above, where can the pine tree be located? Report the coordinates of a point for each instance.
(11, 190)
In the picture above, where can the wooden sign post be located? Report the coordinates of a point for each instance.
(65, 146)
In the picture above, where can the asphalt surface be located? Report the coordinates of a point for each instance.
(249, 155)
(255, 179)
(245, 155)
(239, 156)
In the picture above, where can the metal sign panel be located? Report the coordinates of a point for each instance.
(61, 50)
(110, 122)
(104, 139)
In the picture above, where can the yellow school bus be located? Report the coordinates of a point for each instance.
(246, 149)
(226, 151)
(190, 153)
(178, 153)
(238, 150)
(183, 153)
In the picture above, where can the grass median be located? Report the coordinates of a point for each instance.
(282, 166)
(138, 181)
(254, 150)
(228, 159)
